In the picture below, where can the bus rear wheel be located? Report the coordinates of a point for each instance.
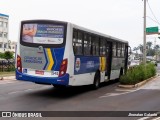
(96, 83)
(121, 72)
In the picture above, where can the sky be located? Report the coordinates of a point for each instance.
(122, 19)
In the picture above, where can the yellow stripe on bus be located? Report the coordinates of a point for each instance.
(51, 62)
(102, 63)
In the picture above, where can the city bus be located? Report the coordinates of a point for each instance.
(64, 54)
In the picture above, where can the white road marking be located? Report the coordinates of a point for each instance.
(158, 118)
(26, 90)
(14, 92)
(144, 118)
(128, 90)
(112, 94)
(116, 94)
(29, 90)
(149, 118)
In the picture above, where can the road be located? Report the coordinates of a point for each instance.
(26, 96)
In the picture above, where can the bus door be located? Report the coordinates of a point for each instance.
(109, 58)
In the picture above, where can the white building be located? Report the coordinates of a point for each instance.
(4, 19)
(12, 46)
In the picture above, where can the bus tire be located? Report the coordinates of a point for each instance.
(96, 83)
(121, 73)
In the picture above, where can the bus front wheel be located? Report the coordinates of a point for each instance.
(96, 83)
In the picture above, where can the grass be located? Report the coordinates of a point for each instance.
(7, 73)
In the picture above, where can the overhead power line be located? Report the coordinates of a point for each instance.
(153, 20)
(156, 20)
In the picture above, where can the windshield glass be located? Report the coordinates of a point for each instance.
(42, 33)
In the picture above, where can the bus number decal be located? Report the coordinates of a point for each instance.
(56, 73)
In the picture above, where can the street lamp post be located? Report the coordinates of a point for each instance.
(144, 34)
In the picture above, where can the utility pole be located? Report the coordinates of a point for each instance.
(144, 34)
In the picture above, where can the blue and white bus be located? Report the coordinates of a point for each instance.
(64, 54)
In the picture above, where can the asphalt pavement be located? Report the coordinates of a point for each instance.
(27, 96)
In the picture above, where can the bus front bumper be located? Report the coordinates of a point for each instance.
(63, 80)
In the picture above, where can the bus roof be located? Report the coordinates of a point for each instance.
(98, 33)
(83, 29)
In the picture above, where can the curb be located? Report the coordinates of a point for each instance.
(138, 84)
(7, 78)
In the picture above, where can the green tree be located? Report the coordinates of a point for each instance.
(135, 49)
(1, 55)
(149, 44)
(156, 47)
(149, 51)
(8, 55)
(140, 48)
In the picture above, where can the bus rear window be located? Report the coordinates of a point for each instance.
(42, 33)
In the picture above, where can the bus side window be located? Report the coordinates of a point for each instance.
(95, 45)
(107, 47)
(75, 35)
(123, 50)
(102, 47)
(119, 49)
(77, 42)
(87, 44)
(114, 50)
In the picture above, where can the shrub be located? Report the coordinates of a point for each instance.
(8, 55)
(11, 69)
(138, 74)
(1, 55)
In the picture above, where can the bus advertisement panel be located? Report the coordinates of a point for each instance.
(43, 33)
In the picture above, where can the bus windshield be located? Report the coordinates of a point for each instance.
(40, 34)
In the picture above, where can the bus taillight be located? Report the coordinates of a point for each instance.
(19, 63)
(63, 67)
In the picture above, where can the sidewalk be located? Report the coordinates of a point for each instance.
(7, 76)
(152, 84)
